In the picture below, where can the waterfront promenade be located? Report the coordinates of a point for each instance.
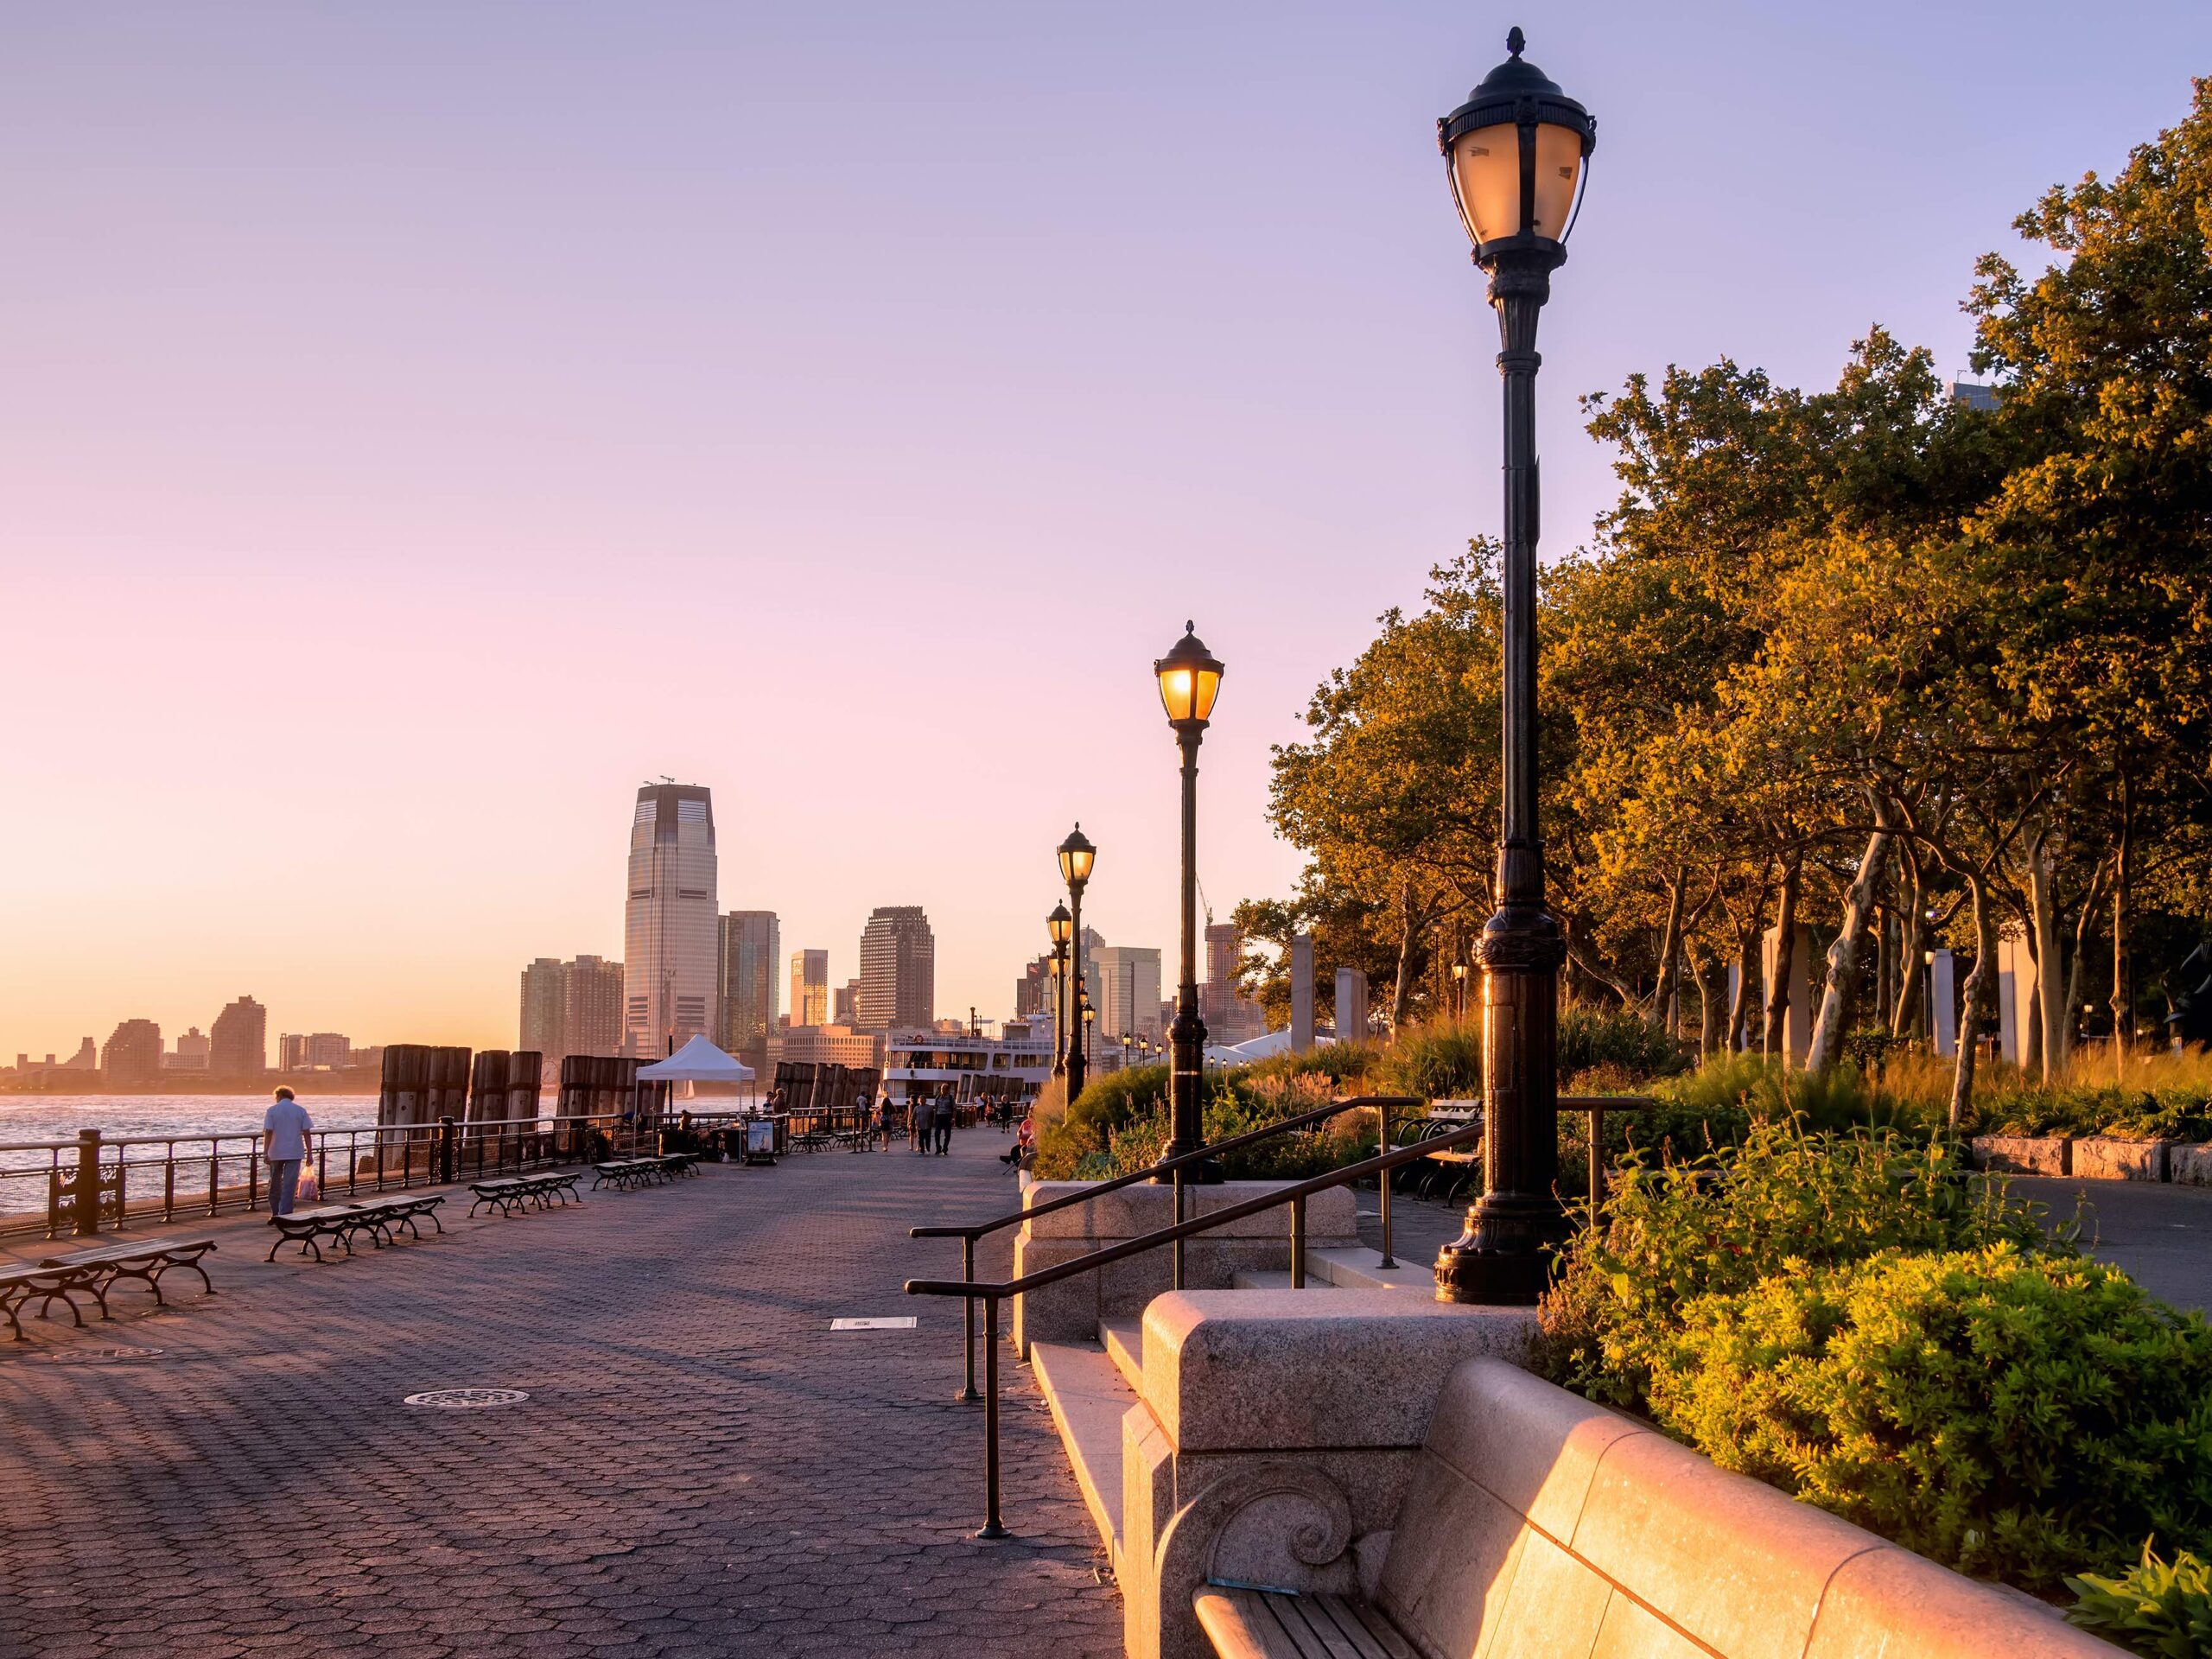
(702, 1467)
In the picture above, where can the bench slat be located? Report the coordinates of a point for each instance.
(1244, 1624)
(1353, 1615)
(1320, 1635)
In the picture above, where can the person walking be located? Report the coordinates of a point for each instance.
(284, 1131)
(941, 1121)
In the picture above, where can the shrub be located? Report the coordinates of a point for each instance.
(2011, 1415)
(1621, 1037)
(1228, 1110)
(2158, 1609)
(1436, 1062)
(1786, 1199)
(1734, 1088)
(1090, 1120)
(1336, 1062)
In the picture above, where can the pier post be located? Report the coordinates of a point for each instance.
(85, 1193)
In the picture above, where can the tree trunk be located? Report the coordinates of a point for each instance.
(2042, 922)
(1905, 1017)
(1408, 937)
(2084, 924)
(1976, 996)
(1740, 1005)
(1712, 986)
(1775, 1041)
(1827, 1047)
(2123, 1008)
(1671, 937)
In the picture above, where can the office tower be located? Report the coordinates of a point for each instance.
(545, 1007)
(750, 949)
(810, 987)
(845, 1003)
(191, 1053)
(315, 1051)
(133, 1054)
(238, 1043)
(1033, 991)
(897, 969)
(1129, 992)
(591, 1008)
(670, 920)
(1230, 1016)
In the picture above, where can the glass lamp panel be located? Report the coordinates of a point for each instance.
(1075, 862)
(1559, 164)
(1209, 688)
(1175, 692)
(1486, 175)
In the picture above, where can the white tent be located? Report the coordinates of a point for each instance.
(697, 1061)
(1260, 1048)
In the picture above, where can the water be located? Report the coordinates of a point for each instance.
(58, 1117)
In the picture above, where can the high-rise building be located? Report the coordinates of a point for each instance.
(133, 1054)
(897, 969)
(670, 920)
(810, 987)
(845, 1003)
(749, 946)
(591, 1008)
(545, 1007)
(1230, 1016)
(191, 1054)
(238, 1043)
(1129, 992)
(314, 1050)
(832, 1045)
(1033, 991)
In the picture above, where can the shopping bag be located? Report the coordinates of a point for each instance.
(309, 1190)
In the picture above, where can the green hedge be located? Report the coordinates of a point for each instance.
(2013, 1416)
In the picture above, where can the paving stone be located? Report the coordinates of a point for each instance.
(702, 1467)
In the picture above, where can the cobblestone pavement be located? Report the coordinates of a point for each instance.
(701, 1466)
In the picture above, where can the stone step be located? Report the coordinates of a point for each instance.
(1123, 1340)
(1088, 1398)
(1257, 1278)
(1360, 1268)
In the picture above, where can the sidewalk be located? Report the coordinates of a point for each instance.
(701, 1466)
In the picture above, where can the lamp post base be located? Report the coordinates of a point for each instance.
(1502, 1260)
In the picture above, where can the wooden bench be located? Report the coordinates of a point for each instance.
(383, 1217)
(98, 1271)
(337, 1222)
(624, 1174)
(511, 1195)
(20, 1285)
(1536, 1523)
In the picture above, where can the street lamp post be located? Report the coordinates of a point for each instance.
(1056, 929)
(1515, 154)
(1190, 679)
(1076, 856)
(1125, 1050)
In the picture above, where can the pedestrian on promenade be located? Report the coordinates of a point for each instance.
(284, 1132)
(941, 1120)
(883, 1119)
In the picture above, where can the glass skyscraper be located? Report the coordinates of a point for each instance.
(670, 921)
(752, 949)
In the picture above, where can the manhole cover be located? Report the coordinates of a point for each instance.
(465, 1399)
(903, 1323)
(98, 1355)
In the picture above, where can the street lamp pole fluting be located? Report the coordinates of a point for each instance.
(1076, 856)
(1190, 680)
(1515, 154)
(1056, 929)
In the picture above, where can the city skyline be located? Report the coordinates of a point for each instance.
(669, 392)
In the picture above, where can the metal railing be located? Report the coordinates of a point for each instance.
(92, 1183)
(1174, 1169)
(1293, 1196)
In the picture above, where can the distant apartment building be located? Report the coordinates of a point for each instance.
(897, 969)
(845, 1003)
(810, 987)
(317, 1051)
(1230, 1016)
(832, 1045)
(1033, 991)
(671, 920)
(238, 1043)
(749, 952)
(1127, 992)
(133, 1054)
(571, 1007)
(190, 1053)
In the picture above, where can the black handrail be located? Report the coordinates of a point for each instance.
(1293, 1195)
(1173, 1167)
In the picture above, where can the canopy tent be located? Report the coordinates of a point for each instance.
(697, 1061)
(1260, 1048)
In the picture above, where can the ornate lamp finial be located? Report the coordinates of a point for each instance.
(1515, 41)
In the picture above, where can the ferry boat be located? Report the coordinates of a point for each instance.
(968, 1065)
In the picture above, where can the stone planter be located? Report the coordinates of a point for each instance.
(2189, 1166)
(2098, 1158)
(2022, 1155)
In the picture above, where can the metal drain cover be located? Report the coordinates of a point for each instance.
(98, 1355)
(903, 1323)
(465, 1399)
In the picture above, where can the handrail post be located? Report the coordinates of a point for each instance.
(1297, 1243)
(445, 1149)
(1383, 1178)
(967, 1395)
(992, 1526)
(1175, 1250)
(85, 1194)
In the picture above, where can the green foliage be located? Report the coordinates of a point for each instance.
(1338, 1062)
(1095, 1115)
(2008, 1414)
(1785, 1200)
(1731, 1089)
(1592, 1037)
(1292, 1156)
(2125, 1113)
(2160, 1609)
(1436, 1062)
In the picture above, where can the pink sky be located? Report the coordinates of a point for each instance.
(420, 424)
